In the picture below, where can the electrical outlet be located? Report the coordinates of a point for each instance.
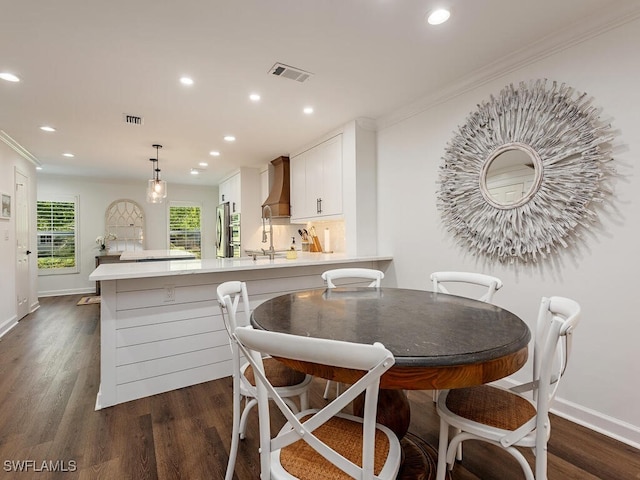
(169, 293)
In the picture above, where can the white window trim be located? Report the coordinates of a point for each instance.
(67, 270)
(182, 203)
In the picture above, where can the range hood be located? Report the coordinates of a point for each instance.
(279, 197)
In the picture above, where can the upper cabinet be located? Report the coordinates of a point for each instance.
(230, 190)
(316, 182)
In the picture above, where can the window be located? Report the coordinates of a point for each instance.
(184, 228)
(57, 236)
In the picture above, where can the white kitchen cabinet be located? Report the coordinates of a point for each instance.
(316, 181)
(230, 191)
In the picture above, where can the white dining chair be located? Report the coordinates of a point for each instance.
(484, 286)
(375, 276)
(489, 284)
(289, 383)
(329, 276)
(322, 443)
(507, 418)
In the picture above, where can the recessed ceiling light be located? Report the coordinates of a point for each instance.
(229, 138)
(254, 97)
(308, 110)
(38, 167)
(195, 171)
(70, 155)
(214, 153)
(438, 16)
(9, 77)
(203, 164)
(186, 80)
(47, 128)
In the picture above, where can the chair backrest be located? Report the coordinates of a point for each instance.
(365, 273)
(557, 318)
(491, 284)
(232, 295)
(373, 360)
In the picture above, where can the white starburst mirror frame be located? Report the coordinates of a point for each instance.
(519, 177)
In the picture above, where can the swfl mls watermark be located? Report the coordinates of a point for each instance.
(40, 466)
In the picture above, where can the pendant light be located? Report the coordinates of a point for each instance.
(156, 188)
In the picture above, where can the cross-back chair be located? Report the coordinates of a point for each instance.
(234, 306)
(375, 276)
(326, 441)
(329, 276)
(508, 418)
(489, 286)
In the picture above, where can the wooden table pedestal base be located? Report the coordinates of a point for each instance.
(419, 459)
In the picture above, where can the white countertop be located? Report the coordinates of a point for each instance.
(155, 255)
(117, 271)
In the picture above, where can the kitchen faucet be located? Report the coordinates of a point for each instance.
(271, 252)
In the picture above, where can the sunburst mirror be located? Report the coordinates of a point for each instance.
(519, 177)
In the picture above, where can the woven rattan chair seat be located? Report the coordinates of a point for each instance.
(344, 436)
(490, 406)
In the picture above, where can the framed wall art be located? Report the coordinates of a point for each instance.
(5, 213)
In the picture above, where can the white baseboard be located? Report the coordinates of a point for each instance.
(72, 291)
(596, 421)
(8, 325)
(609, 426)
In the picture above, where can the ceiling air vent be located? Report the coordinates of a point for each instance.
(292, 73)
(133, 119)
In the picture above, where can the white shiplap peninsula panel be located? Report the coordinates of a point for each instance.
(163, 331)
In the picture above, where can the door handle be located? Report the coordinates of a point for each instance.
(28, 252)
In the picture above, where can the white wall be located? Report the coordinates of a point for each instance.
(9, 162)
(600, 388)
(95, 196)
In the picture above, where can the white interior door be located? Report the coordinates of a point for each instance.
(508, 194)
(22, 242)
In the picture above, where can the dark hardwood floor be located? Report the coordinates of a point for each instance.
(49, 378)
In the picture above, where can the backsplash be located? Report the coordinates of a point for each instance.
(282, 236)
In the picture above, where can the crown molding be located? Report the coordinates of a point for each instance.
(583, 30)
(19, 149)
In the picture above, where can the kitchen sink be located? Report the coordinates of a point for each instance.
(264, 253)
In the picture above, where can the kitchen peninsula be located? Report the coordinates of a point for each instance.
(161, 327)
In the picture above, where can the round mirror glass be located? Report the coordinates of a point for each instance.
(511, 175)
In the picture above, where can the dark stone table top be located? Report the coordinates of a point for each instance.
(420, 328)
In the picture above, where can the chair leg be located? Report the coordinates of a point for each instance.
(304, 400)
(541, 457)
(235, 435)
(442, 450)
(524, 464)
(325, 395)
(292, 405)
(245, 415)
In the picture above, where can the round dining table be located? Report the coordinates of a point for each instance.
(439, 341)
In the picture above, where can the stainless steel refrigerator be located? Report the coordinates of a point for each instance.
(223, 232)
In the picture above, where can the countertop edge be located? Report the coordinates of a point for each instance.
(120, 271)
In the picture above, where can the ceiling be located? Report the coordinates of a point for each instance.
(84, 64)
